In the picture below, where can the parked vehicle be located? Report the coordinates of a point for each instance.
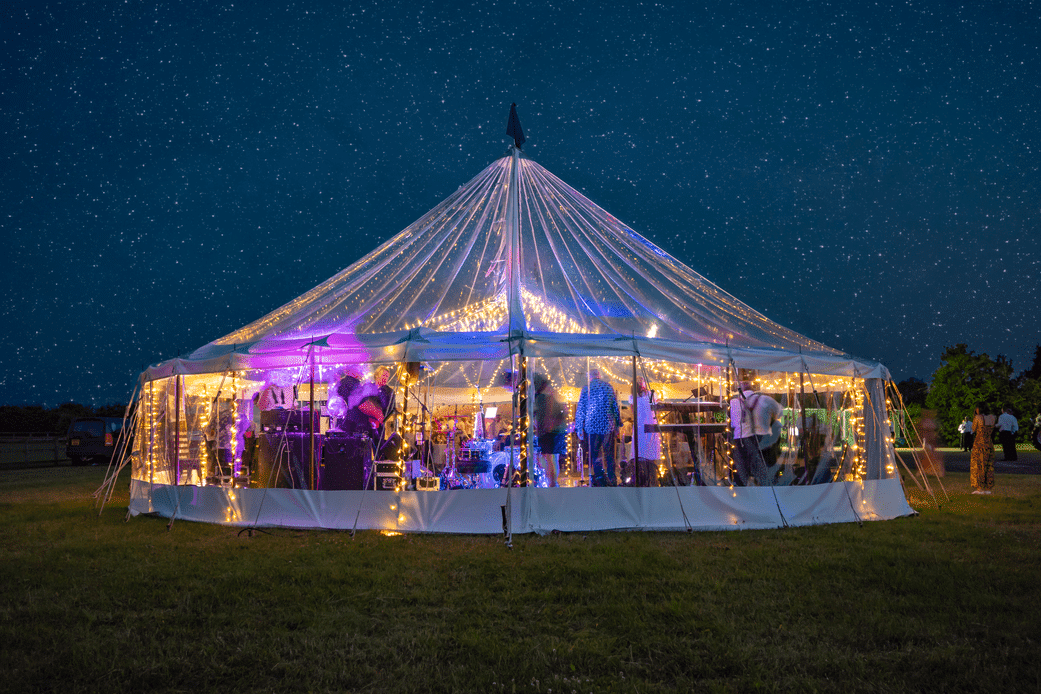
(93, 439)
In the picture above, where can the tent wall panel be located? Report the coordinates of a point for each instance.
(533, 510)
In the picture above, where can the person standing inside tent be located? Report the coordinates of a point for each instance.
(381, 409)
(650, 444)
(981, 470)
(598, 417)
(1008, 427)
(965, 429)
(352, 391)
(277, 393)
(756, 422)
(550, 427)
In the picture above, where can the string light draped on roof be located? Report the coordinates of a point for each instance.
(581, 271)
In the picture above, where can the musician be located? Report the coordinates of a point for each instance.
(492, 427)
(349, 389)
(276, 396)
(755, 418)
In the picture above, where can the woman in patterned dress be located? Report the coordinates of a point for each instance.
(981, 471)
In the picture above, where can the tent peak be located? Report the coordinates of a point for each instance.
(513, 127)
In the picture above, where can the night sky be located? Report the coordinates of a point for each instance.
(866, 174)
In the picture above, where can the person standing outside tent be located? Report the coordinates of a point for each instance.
(965, 429)
(981, 469)
(597, 416)
(1008, 426)
(755, 420)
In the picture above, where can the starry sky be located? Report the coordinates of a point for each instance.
(866, 174)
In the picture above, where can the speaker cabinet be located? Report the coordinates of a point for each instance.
(346, 462)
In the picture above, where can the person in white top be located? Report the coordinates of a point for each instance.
(965, 429)
(650, 444)
(1007, 428)
(755, 420)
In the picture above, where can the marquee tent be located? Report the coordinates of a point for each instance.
(515, 273)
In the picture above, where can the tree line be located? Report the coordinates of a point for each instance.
(37, 419)
(966, 379)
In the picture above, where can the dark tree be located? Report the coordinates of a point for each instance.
(35, 419)
(1027, 404)
(963, 380)
(1035, 369)
(66, 412)
(113, 409)
(913, 391)
(25, 418)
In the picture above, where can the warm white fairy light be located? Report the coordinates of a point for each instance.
(406, 429)
(236, 450)
(728, 434)
(204, 423)
(231, 513)
(483, 316)
(491, 314)
(150, 418)
(858, 471)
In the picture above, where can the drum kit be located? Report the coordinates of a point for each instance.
(479, 466)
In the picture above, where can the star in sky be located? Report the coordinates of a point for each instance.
(866, 176)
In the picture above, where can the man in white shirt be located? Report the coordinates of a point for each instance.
(965, 429)
(752, 419)
(1007, 428)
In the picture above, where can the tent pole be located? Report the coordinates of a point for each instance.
(802, 409)
(401, 428)
(529, 409)
(310, 416)
(177, 449)
(636, 426)
(151, 439)
(729, 445)
(425, 455)
(517, 324)
(177, 429)
(582, 450)
(523, 402)
(516, 316)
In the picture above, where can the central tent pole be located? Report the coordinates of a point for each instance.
(517, 323)
(515, 312)
(310, 416)
(524, 405)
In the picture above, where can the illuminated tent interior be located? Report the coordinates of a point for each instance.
(516, 272)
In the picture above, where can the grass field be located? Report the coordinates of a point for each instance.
(947, 601)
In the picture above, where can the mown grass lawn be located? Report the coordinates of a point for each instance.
(947, 601)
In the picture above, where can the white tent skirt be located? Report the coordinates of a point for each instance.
(532, 510)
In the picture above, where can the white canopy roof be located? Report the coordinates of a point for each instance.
(582, 283)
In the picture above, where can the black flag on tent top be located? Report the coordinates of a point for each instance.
(513, 128)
